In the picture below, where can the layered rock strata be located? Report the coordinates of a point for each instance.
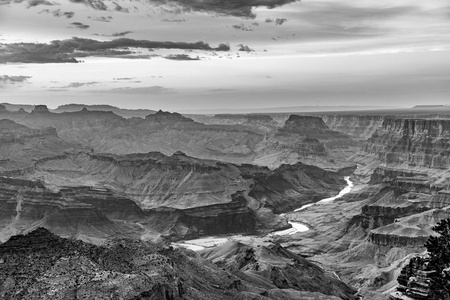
(412, 142)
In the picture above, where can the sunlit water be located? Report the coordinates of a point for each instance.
(208, 242)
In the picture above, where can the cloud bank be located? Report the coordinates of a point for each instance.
(66, 51)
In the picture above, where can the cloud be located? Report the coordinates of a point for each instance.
(120, 8)
(61, 51)
(121, 33)
(227, 7)
(7, 79)
(32, 3)
(174, 20)
(68, 14)
(242, 27)
(181, 57)
(95, 4)
(58, 13)
(245, 48)
(102, 19)
(80, 25)
(277, 21)
(80, 84)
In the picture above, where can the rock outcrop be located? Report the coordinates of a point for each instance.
(315, 127)
(21, 147)
(41, 265)
(40, 109)
(412, 142)
(357, 126)
(186, 197)
(27, 204)
(277, 266)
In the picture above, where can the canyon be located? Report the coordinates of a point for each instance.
(232, 181)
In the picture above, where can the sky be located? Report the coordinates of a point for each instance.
(192, 55)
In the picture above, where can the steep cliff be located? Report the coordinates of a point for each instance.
(27, 204)
(21, 146)
(357, 126)
(186, 197)
(412, 142)
(314, 127)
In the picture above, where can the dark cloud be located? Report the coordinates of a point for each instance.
(120, 8)
(280, 21)
(95, 4)
(80, 25)
(231, 7)
(68, 14)
(277, 21)
(32, 3)
(242, 27)
(181, 57)
(121, 33)
(245, 48)
(239, 8)
(61, 51)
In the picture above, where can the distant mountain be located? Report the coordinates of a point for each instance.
(16, 107)
(287, 109)
(123, 112)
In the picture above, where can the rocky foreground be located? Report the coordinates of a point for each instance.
(41, 265)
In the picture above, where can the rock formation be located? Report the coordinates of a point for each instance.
(27, 204)
(186, 197)
(40, 109)
(21, 147)
(41, 265)
(412, 142)
(315, 127)
(357, 126)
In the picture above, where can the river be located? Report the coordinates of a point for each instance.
(208, 242)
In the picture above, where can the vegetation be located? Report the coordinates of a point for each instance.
(439, 259)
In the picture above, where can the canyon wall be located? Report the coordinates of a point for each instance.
(412, 142)
(357, 126)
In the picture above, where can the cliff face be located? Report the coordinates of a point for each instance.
(315, 127)
(291, 186)
(27, 204)
(357, 126)
(225, 218)
(412, 142)
(20, 146)
(185, 196)
(11, 132)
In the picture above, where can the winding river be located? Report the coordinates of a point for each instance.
(202, 243)
(299, 227)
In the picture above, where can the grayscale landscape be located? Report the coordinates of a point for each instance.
(234, 149)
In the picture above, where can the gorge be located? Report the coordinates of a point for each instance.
(257, 196)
